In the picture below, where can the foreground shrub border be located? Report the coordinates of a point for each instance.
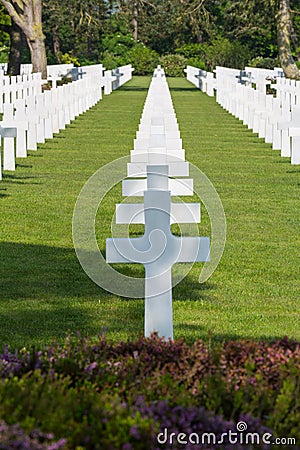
(102, 395)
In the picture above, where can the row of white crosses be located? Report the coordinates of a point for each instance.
(115, 78)
(203, 80)
(262, 77)
(26, 69)
(19, 87)
(110, 80)
(27, 83)
(30, 120)
(30, 116)
(276, 119)
(157, 167)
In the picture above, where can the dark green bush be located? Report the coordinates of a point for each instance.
(191, 51)
(222, 52)
(114, 50)
(119, 49)
(196, 62)
(111, 61)
(4, 53)
(117, 44)
(173, 65)
(194, 55)
(142, 59)
(218, 52)
(264, 63)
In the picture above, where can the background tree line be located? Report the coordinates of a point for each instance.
(204, 33)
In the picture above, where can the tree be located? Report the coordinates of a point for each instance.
(266, 26)
(15, 51)
(153, 22)
(131, 11)
(75, 28)
(13, 41)
(27, 14)
(252, 23)
(57, 28)
(284, 33)
(200, 17)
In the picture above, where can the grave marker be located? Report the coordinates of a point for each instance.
(158, 250)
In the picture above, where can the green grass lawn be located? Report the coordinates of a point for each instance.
(255, 290)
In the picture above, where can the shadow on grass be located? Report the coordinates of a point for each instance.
(184, 89)
(24, 166)
(190, 290)
(294, 171)
(133, 88)
(44, 293)
(191, 331)
(282, 160)
(204, 334)
(15, 179)
(34, 154)
(36, 271)
(40, 322)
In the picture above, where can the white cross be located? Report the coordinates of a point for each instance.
(284, 126)
(158, 250)
(8, 132)
(108, 80)
(294, 133)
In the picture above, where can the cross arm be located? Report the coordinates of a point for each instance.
(294, 131)
(116, 249)
(8, 131)
(194, 249)
(180, 213)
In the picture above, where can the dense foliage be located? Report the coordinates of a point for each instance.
(227, 32)
(120, 396)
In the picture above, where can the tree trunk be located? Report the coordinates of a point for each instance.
(284, 27)
(56, 43)
(28, 16)
(38, 56)
(15, 52)
(135, 22)
(90, 42)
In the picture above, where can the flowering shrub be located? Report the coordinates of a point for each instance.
(120, 396)
(13, 437)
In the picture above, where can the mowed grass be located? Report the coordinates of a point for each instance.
(255, 290)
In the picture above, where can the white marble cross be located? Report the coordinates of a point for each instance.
(8, 132)
(294, 133)
(108, 80)
(158, 250)
(284, 126)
